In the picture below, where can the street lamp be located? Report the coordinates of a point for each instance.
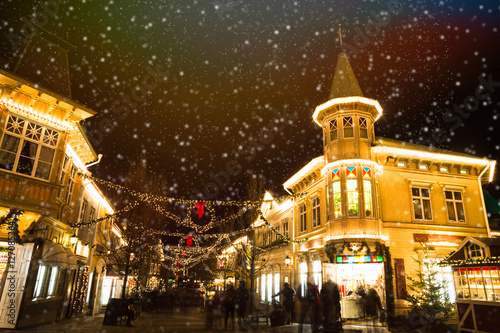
(288, 261)
(73, 239)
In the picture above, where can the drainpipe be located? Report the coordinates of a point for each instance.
(482, 199)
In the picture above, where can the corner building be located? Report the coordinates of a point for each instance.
(369, 203)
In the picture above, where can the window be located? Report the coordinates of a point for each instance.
(401, 164)
(316, 212)
(54, 275)
(455, 205)
(337, 195)
(422, 166)
(269, 287)
(64, 169)
(363, 128)
(71, 184)
(317, 273)
(278, 231)
(263, 294)
(348, 127)
(303, 277)
(285, 228)
(40, 282)
(83, 211)
(28, 148)
(464, 172)
(352, 192)
(475, 251)
(367, 190)
(303, 218)
(443, 169)
(333, 130)
(92, 214)
(276, 283)
(421, 203)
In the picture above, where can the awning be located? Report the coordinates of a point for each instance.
(54, 254)
(72, 260)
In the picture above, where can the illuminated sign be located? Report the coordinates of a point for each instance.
(358, 259)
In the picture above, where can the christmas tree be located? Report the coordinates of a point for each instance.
(430, 308)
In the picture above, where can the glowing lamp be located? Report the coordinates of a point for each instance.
(288, 261)
(73, 239)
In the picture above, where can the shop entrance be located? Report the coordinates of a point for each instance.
(358, 281)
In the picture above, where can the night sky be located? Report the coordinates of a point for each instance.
(201, 88)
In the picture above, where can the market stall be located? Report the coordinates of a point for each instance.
(476, 266)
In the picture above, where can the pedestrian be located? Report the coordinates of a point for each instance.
(242, 297)
(288, 302)
(128, 310)
(310, 303)
(373, 303)
(228, 304)
(330, 295)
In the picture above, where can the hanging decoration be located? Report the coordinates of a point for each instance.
(189, 240)
(200, 208)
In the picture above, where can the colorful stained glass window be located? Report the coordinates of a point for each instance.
(335, 174)
(367, 174)
(351, 172)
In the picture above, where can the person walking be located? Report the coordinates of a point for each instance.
(228, 304)
(330, 295)
(242, 297)
(309, 304)
(288, 302)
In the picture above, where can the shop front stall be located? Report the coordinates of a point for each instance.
(476, 267)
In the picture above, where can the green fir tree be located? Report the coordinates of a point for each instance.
(431, 308)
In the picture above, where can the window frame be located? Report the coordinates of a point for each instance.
(363, 125)
(316, 212)
(40, 138)
(333, 129)
(454, 202)
(303, 217)
(422, 199)
(348, 123)
(70, 187)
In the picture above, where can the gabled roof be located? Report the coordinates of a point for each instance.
(344, 81)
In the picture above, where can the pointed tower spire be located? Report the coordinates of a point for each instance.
(344, 81)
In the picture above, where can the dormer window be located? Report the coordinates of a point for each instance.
(475, 251)
(348, 127)
(363, 128)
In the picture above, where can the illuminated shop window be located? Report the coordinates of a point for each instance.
(337, 194)
(352, 191)
(363, 128)
(333, 130)
(444, 277)
(54, 275)
(40, 282)
(303, 218)
(269, 287)
(303, 277)
(28, 148)
(317, 273)
(316, 214)
(367, 189)
(276, 283)
(421, 203)
(263, 286)
(455, 206)
(348, 127)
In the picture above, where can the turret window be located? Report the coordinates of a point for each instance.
(352, 191)
(367, 190)
(348, 127)
(333, 130)
(363, 128)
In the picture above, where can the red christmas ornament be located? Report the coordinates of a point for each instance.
(178, 264)
(189, 240)
(200, 208)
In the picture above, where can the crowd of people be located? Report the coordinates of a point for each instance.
(323, 307)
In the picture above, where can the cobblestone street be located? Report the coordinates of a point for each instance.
(188, 320)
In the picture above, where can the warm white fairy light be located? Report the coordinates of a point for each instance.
(347, 100)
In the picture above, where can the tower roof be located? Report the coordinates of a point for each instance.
(344, 81)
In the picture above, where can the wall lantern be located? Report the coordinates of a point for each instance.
(288, 261)
(73, 239)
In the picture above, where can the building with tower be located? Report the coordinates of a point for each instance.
(368, 203)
